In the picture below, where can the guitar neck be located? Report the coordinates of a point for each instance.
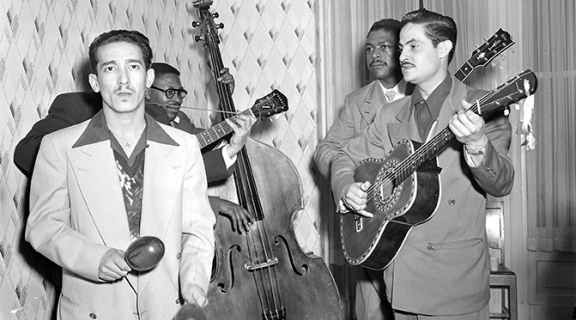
(496, 100)
(216, 132)
(464, 71)
(425, 153)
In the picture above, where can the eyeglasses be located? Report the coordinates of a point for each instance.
(171, 92)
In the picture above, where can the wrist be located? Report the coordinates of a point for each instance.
(476, 152)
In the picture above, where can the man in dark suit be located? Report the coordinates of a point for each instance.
(167, 91)
(441, 271)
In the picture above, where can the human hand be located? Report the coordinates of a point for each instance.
(227, 78)
(241, 124)
(469, 128)
(354, 197)
(112, 266)
(241, 218)
(190, 312)
(193, 294)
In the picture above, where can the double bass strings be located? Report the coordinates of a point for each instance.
(225, 97)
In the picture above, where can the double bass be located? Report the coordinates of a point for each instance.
(263, 273)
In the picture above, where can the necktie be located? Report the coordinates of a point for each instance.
(423, 119)
(390, 94)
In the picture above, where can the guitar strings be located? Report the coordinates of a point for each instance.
(446, 134)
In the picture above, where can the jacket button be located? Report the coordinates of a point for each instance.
(451, 202)
(178, 255)
(93, 316)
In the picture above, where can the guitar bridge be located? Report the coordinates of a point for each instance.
(358, 222)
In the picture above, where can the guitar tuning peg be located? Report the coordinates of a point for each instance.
(215, 15)
(220, 25)
(199, 38)
(195, 24)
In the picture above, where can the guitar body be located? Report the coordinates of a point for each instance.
(302, 281)
(397, 207)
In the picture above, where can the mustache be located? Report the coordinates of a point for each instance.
(404, 62)
(124, 89)
(376, 61)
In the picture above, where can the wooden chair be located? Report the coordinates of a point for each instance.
(503, 279)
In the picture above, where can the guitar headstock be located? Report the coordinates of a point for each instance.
(273, 103)
(207, 25)
(512, 91)
(497, 44)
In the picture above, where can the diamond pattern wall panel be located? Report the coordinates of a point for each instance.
(43, 52)
(272, 45)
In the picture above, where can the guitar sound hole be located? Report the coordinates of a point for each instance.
(388, 194)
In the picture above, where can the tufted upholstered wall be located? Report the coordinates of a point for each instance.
(43, 48)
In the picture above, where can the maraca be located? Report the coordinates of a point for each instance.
(144, 253)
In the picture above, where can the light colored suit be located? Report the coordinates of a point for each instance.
(360, 108)
(77, 213)
(442, 268)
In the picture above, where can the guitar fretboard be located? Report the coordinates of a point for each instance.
(216, 132)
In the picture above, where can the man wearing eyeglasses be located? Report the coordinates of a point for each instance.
(72, 108)
(167, 92)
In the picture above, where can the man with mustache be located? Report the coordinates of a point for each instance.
(441, 272)
(167, 92)
(75, 107)
(360, 107)
(107, 181)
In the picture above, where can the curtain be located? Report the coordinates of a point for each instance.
(551, 168)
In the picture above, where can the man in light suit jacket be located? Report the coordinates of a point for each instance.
(360, 107)
(101, 184)
(441, 271)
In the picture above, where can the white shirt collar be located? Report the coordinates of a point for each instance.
(399, 89)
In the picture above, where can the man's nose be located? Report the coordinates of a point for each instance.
(123, 77)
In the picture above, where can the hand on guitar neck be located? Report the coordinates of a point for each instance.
(241, 125)
(469, 128)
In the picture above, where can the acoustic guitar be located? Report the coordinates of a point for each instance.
(405, 185)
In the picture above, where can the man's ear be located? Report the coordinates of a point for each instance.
(93, 80)
(150, 75)
(444, 48)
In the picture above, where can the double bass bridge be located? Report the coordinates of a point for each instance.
(258, 266)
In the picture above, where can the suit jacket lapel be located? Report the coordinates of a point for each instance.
(94, 168)
(372, 102)
(405, 128)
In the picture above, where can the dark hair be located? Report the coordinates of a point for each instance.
(391, 25)
(438, 27)
(161, 69)
(130, 36)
